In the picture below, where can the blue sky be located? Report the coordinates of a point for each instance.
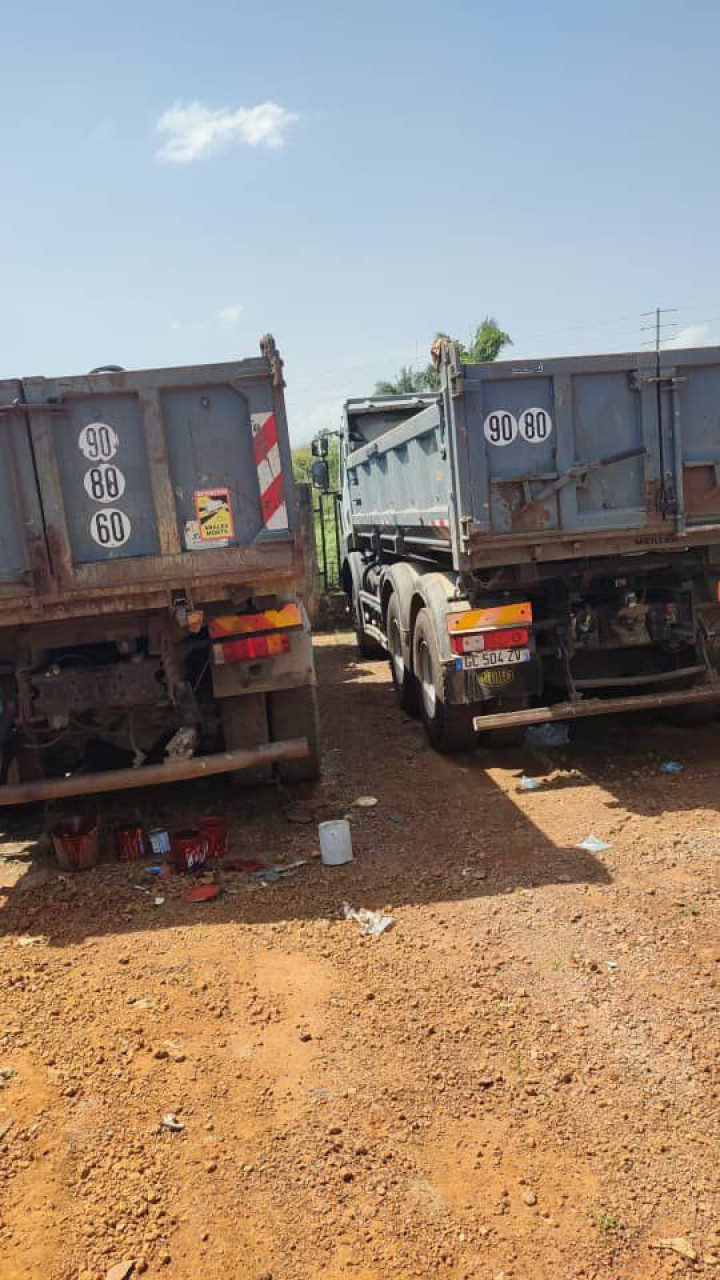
(352, 177)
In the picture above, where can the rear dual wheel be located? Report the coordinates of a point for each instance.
(402, 676)
(449, 728)
(253, 719)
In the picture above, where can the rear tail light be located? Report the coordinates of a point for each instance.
(497, 616)
(508, 638)
(251, 647)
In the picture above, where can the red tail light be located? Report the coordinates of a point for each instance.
(251, 647)
(508, 638)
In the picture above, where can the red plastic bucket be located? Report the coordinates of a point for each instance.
(189, 849)
(75, 841)
(130, 844)
(216, 833)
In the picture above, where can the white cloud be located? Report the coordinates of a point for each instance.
(693, 335)
(230, 315)
(191, 131)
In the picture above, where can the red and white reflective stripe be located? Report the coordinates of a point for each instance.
(439, 524)
(269, 470)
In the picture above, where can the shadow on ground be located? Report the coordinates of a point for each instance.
(442, 829)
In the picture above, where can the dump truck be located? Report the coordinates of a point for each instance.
(151, 567)
(540, 540)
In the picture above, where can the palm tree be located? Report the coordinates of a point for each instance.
(408, 382)
(487, 343)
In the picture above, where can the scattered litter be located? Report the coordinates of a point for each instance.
(75, 841)
(189, 849)
(475, 873)
(365, 802)
(7, 1073)
(671, 766)
(203, 892)
(130, 844)
(216, 833)
(269, 874)
(593, 845)
(159, 841)
(155, 871)
(171, 1122)
(676, 1244)
(29, 940)
(182, 744)
(159, 900)
(552, 734)
(120, 1270)
(529, 784)
(611, 964)
(373, 922)
(335, 842)
(248, 865)
(396, 817)
(5, 1126)
(141, 888)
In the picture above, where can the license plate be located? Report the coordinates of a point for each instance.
(495, 658)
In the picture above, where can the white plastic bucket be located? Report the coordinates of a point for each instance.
(335, 842)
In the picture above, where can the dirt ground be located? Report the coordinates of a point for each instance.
(518, 1080)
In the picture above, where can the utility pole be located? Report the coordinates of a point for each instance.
(666, 500)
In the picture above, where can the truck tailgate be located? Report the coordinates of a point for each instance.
(159, 478)
(585, 447)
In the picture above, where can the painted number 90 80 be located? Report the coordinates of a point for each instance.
(502, 427)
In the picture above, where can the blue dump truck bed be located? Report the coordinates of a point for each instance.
(540, 540)
(120, 484)
(530, 461)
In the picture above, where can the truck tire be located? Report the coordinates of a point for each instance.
(245, 725)
(448, 728)
(368, 647)
(403, 677)
(293, 714)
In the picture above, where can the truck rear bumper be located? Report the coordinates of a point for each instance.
(596, 707)
(155, 774)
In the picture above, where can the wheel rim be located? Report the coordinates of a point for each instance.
(396, 655)
(427, 684)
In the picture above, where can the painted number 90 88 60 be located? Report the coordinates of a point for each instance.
(104, 483)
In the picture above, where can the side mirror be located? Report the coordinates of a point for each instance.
(320, 447)
(320, 474)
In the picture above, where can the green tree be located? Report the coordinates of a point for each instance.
(408, 382)
(487, 344)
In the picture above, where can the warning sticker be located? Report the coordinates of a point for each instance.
(214, 515)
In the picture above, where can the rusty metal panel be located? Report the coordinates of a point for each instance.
(169, 476)
(23, 555)
(520, 462)
(559, 450)
(561, 453)
(697, 395)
